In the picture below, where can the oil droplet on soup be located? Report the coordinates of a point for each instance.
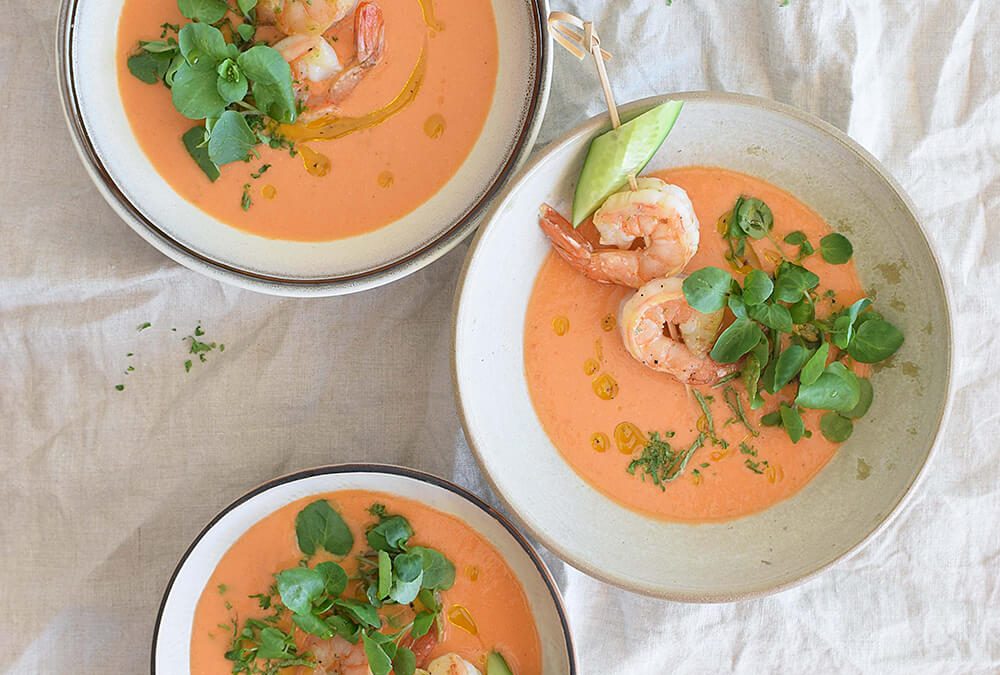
(629, 438)
(600, 442)
(591, 366)
(472, 572)
(434, 126)
(460, 617)
(386, 179)
(316, 163)
(606, 387)
(560, 325)
(608, 323)
(269, 192)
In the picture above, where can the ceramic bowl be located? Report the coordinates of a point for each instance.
(172, 634)
(836, 512)
(132, 186)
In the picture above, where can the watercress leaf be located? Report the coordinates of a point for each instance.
(313, 625)
(194, 143)
(202, 46)
(789, 364)
(175, 64)
(706, 289)
(334, 578)
(378, 661)
(422, 623)
(298, 587)
(796, 238)
(771, 419)
(343, 627)
(206, 11)
(159, 46)
(272, 82)
(359, 612)
(733, 230)
(864, 401)
(739, 338)
(868, 316)
(802, 311)
(384, 574)
(757, 287)
(231, 139)
(836, 427)
(246, 31)
(231, 84)
(246, 6)
(772, 315)
(754, 218)
(430, 600)
(194, 93)
(791, 420)
(815, 365)
(408, 574)
(836, 248)
(439, 572)
(149, 67)
(390, 534)
(874, 341)
(792, 281)
(737, 306)
(274, 644)
(836, 388)
(844, 325)
(404, 662)
(319, 526)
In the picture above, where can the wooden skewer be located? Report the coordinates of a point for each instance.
(579, 38)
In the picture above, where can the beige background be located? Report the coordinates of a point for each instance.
(102, 491)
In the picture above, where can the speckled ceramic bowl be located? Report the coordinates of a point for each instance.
(171, 653)
(851, 499)
(131, 185)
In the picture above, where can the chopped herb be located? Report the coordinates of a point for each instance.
(756, 467)
(735, 403)
(143, 326)
(245, 201)
(120, 387)
(660, 462)
(260, 172)
(187, 366)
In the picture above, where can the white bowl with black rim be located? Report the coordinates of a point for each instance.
(833, 515)
(99, 127)
(171, 652)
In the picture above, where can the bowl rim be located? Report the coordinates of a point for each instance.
(591, 126)
(384, 273)
(385, 469)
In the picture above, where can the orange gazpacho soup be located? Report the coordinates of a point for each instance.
(475, 608)
(599, 405)
(394, 141)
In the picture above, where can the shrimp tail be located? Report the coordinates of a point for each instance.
(607, 266)
(369, 38)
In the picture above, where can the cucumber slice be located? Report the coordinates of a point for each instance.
(496, 665)
(617, 153)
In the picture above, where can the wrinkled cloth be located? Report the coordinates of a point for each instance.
(102, 491)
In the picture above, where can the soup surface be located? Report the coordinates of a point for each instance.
(572, 348)
(361, 181)
(486, 608)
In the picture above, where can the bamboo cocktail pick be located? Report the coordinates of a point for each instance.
(579, 38)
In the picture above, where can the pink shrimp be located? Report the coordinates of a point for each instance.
(659, 214)
(322, 83)
(644, 322)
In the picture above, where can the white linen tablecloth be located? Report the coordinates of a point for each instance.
(101, 491)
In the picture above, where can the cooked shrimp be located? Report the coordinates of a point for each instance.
(451, 664)
(659, 213)
(303, 17)
(645, 319)
(337, 656)
(321, 82)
